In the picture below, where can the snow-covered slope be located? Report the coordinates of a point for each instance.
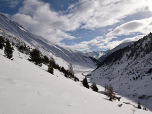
(28, 89)
(120, 46)
(96, 54)
(129, 71)
(18, 34)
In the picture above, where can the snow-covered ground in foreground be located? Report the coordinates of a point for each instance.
(28, 89)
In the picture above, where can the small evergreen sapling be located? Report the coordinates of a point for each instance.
(139, 105)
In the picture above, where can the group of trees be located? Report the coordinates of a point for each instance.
(8, 49)
(38, 59)
(93, 86)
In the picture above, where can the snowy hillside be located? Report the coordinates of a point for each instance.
(120, 46)
(129, 70)
(29, 89)
(16, 33)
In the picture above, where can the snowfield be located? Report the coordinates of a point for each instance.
(29, 89)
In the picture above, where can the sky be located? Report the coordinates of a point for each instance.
(85, 25)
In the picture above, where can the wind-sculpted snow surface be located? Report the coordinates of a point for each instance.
(129, 71)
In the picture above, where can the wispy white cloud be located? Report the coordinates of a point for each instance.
(143, 26)
(12, 3)
(37, 17)
(41, 19)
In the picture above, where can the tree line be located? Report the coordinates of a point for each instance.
(36, 57)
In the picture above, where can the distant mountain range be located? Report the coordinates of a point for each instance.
(101, 55)
(96, 54)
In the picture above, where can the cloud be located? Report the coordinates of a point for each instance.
(101, 13)
(82, 46)
(12, 3)
(39, 18)
(113, 44)
(103, 42)
(143, 26)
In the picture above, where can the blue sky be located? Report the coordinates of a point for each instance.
(85, 25)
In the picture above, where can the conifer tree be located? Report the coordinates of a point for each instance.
(76, 79)
(8, 50)
(139, 105)
(50, 68)
(65, 75)
(1, 42)
(45, 60)
(35, 56)
(85, 83)
(94, 87)
(21, 48)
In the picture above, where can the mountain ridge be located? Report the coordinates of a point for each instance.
(129, 71)
(14, 31)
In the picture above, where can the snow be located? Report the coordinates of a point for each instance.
(96, 54)
(22, 28)
(29, 89)
(122, 72)
(17, 34)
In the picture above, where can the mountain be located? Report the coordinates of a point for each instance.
(129, 70)
(29, 89)
(19, 35)
(120, 46)
(96, 54)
